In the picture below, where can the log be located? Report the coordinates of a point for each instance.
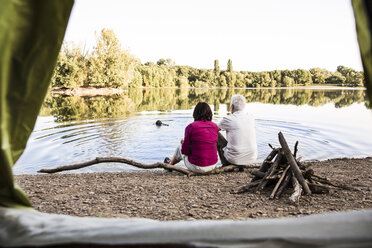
(319, 189)
(258, 174)
(308, 173)
(295, 197)
(245, 188)
(273, 177)
(299, 163)
(279, 182)
(324, 180)
(229, 168)
(261, 172)
(266, 164)
(293, 164)
(272, 155)
(142, 166)
(268, 159)
(283, 186)
(270, 172)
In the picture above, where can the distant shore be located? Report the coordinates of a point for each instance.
(91, 91)
(165, 195)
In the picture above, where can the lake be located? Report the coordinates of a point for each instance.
(328, 123)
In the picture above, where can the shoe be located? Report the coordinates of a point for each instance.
(167, 160)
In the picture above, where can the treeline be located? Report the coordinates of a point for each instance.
(108, 65)
(161, 99)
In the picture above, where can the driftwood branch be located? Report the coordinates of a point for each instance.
(309, 174)
(229, 168)
(292, 162)
(271, 155)
(283, 186)
(142, 166)
(114, 160)
(295, 197)
(336, 185)
(245, 188)
(267, 162)
(258, 174)
(319, 189)
(279, 182)
(270, 172)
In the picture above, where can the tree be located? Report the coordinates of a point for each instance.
(336, 78)
(288, 81)
(240, 80)
(71, 67)
(161, 62)
(137, 79)
(264, 79)
(352, 77)
(217, 67)
(182, 82)
(276, 76)
(359, 79)
(222, 82)
(231, 79)
(229, 66)
(166, 62)
(302, 77)
(318, 75)
(110, 66)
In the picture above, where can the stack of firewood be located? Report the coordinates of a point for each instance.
(282, 170)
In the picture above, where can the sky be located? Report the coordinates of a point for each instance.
(257, 35)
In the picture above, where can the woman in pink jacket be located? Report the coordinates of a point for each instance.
(199, 146)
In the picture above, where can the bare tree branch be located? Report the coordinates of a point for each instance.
(142, 166)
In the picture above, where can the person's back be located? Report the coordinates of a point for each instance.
(201, 148)
(240, 148)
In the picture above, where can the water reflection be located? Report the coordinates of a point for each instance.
(137, 100)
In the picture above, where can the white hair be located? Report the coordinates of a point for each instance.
(238, 101)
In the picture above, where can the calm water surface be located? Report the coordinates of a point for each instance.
(328, 123)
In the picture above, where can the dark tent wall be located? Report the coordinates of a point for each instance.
(363, 15)
(31, 35)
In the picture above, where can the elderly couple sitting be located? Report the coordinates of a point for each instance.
(203, 140)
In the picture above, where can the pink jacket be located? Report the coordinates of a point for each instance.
(200, 143)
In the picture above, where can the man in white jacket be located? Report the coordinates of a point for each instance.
(240, 148)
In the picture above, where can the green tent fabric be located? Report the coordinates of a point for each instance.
(31, 35)
(363, 15)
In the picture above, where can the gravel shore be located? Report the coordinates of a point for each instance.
(165, 195)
